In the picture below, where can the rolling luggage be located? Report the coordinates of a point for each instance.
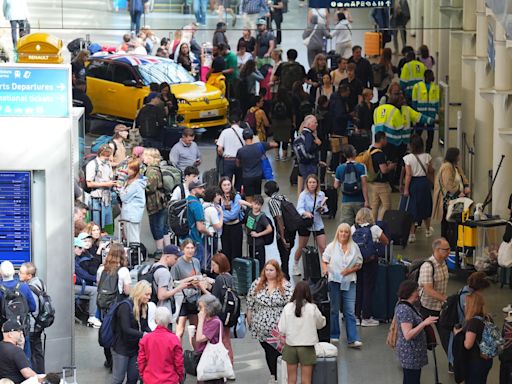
(311, 262)
(399, 225)
(326, 370)
(396, 273)
(332, 202)
(380, 293)
(372, 43)
(137, 254)
(245, 271)
(295, 174)
(324, 334)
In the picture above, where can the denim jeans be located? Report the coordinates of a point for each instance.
(158, 224)
(124, 366)
(92, 292)
(101, 213)
(199, 255)
(347, 299)
(200, 10)
(135, 21)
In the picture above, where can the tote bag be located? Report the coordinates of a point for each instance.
(214, 363)
(266, 167)
(505, 254)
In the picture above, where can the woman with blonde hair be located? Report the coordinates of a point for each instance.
(156, 200)
(131, 324)
(341, 260)
(133, 199)
(370, 239)
(265, 302)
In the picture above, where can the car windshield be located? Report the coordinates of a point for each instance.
(164, 72)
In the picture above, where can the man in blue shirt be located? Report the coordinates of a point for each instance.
(11, 283)
(196, 218)
(351, 177)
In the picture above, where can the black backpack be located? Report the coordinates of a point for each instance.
(108, 290)
(147, 119)
(414, 270)
(149, 276)
(293, 220)
(46, 314)
(279, 110)
(177, 214)
(290, 73)
(269, 238)
(449, 315)
(230, 306)
(15, 306)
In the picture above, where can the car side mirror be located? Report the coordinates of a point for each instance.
(130, 83)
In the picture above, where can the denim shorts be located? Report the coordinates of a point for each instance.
(158, 224)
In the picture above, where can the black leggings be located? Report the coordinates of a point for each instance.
(232, 237)
(271, 355)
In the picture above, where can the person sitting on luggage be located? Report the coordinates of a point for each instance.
(266, 300)
(85, 281)
(133, 199)
(14, 365)
(411, 341)
(299, 322)
(369, 237)
(258, 226)
(311, 205)
(160, 358)
(185, 152)
(181, 191)
(340, 262)
(351, 177)
(91, 262)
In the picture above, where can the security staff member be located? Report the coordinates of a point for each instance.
(412, 72)
(425, 99)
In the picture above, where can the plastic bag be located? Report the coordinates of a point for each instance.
(215, 363)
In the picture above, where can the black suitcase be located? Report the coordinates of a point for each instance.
(397, 273)
(399, 224)
(137, 254)
(325, 371)
(294, 176)
(324, 334)
(380, 293)
(311, 262)
(332, 201)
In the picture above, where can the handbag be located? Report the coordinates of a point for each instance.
(392, 333)
(214, 362)
(276, 340)
(307, 39)
(308, 221)
(239, 330)
(505, 254)
(266, 167)
(190, 361)
(429, 330)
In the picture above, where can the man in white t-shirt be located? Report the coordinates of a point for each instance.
(213, 219)
(228, 144)
(181, 192)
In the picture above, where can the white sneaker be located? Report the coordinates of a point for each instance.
(334, 340)
(508, 308)
(295, 269)
(369, 323)
(358, 321)
(93, 322)
(429, 232)
(355, 344)
(412, 238)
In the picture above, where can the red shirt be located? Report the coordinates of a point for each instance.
(161, 358)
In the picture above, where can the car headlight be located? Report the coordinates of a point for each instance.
(183, 101)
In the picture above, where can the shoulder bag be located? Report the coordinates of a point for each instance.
(308, 39)
(214, 363)
(266, 167)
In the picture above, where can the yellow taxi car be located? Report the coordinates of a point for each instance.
(118, 84)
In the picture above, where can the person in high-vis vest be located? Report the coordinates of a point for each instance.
(412, 72)
(425, 99)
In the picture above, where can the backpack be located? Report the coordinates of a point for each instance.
(366, 159)
(46, 314)
(148, 123)
(250, 119)
(364, 240)
(492, 341)
(149, 276)
(14, 306)
(279, 110)
(449, 315)
(171, 176)
(106, 334)
(379, 74)
(290, 73)
(81, 273)
(351, 181)
(108, 290)
(414, 270)
(293, 220)
(230, 306)
(83, 173)
(299, 148)
(103, 140)
(269, 238)
(177, 214)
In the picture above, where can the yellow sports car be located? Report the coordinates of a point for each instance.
(118, 84)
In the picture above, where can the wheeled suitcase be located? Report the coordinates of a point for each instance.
(332, 202)
(397, 273)
(324, 334)
(372, 43)
(137, 254)
(380, 293)
(399, 224)
(326, 371)
(311, 262)
(294, 176)
(245, 271)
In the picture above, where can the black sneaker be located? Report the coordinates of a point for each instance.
(450, 368)
(107, 364)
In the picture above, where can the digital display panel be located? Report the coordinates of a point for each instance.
(350, 4)
(15, 217)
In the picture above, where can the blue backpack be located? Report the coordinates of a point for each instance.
(351, 181)
(364, 240)
(492, 340)
(102, 140)
(106, 335)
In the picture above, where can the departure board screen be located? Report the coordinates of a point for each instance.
(15, 217)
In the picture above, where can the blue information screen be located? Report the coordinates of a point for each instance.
(15, 217)
(350, 4)
(34, 92)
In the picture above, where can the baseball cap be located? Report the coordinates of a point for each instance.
(195, 184)
(247, 133)
(172, 249)
(261, 21)
(11, 325)
(121, 127)
(79, 242)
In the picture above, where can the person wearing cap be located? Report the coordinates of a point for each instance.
(265, 44)
(249, 159)
(252, 10)
(228, 144)
(117, 144)
(185, 153)
(162, 278)
(215, 76)
(196, 219)
(84, 281)
(151, 120)
(14, 365)
(100, 179)
(9, 282)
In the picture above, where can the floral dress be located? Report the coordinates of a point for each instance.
(412, 354)
(266, 309)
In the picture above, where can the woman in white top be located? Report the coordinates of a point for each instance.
(115, 263)
(326, 89)
(371, 241)
(340, 73)
(213, 218)
(342, 36)
(299, 322)
(341, 260)
(419, 176)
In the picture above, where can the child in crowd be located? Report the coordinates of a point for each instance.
(258, 225)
